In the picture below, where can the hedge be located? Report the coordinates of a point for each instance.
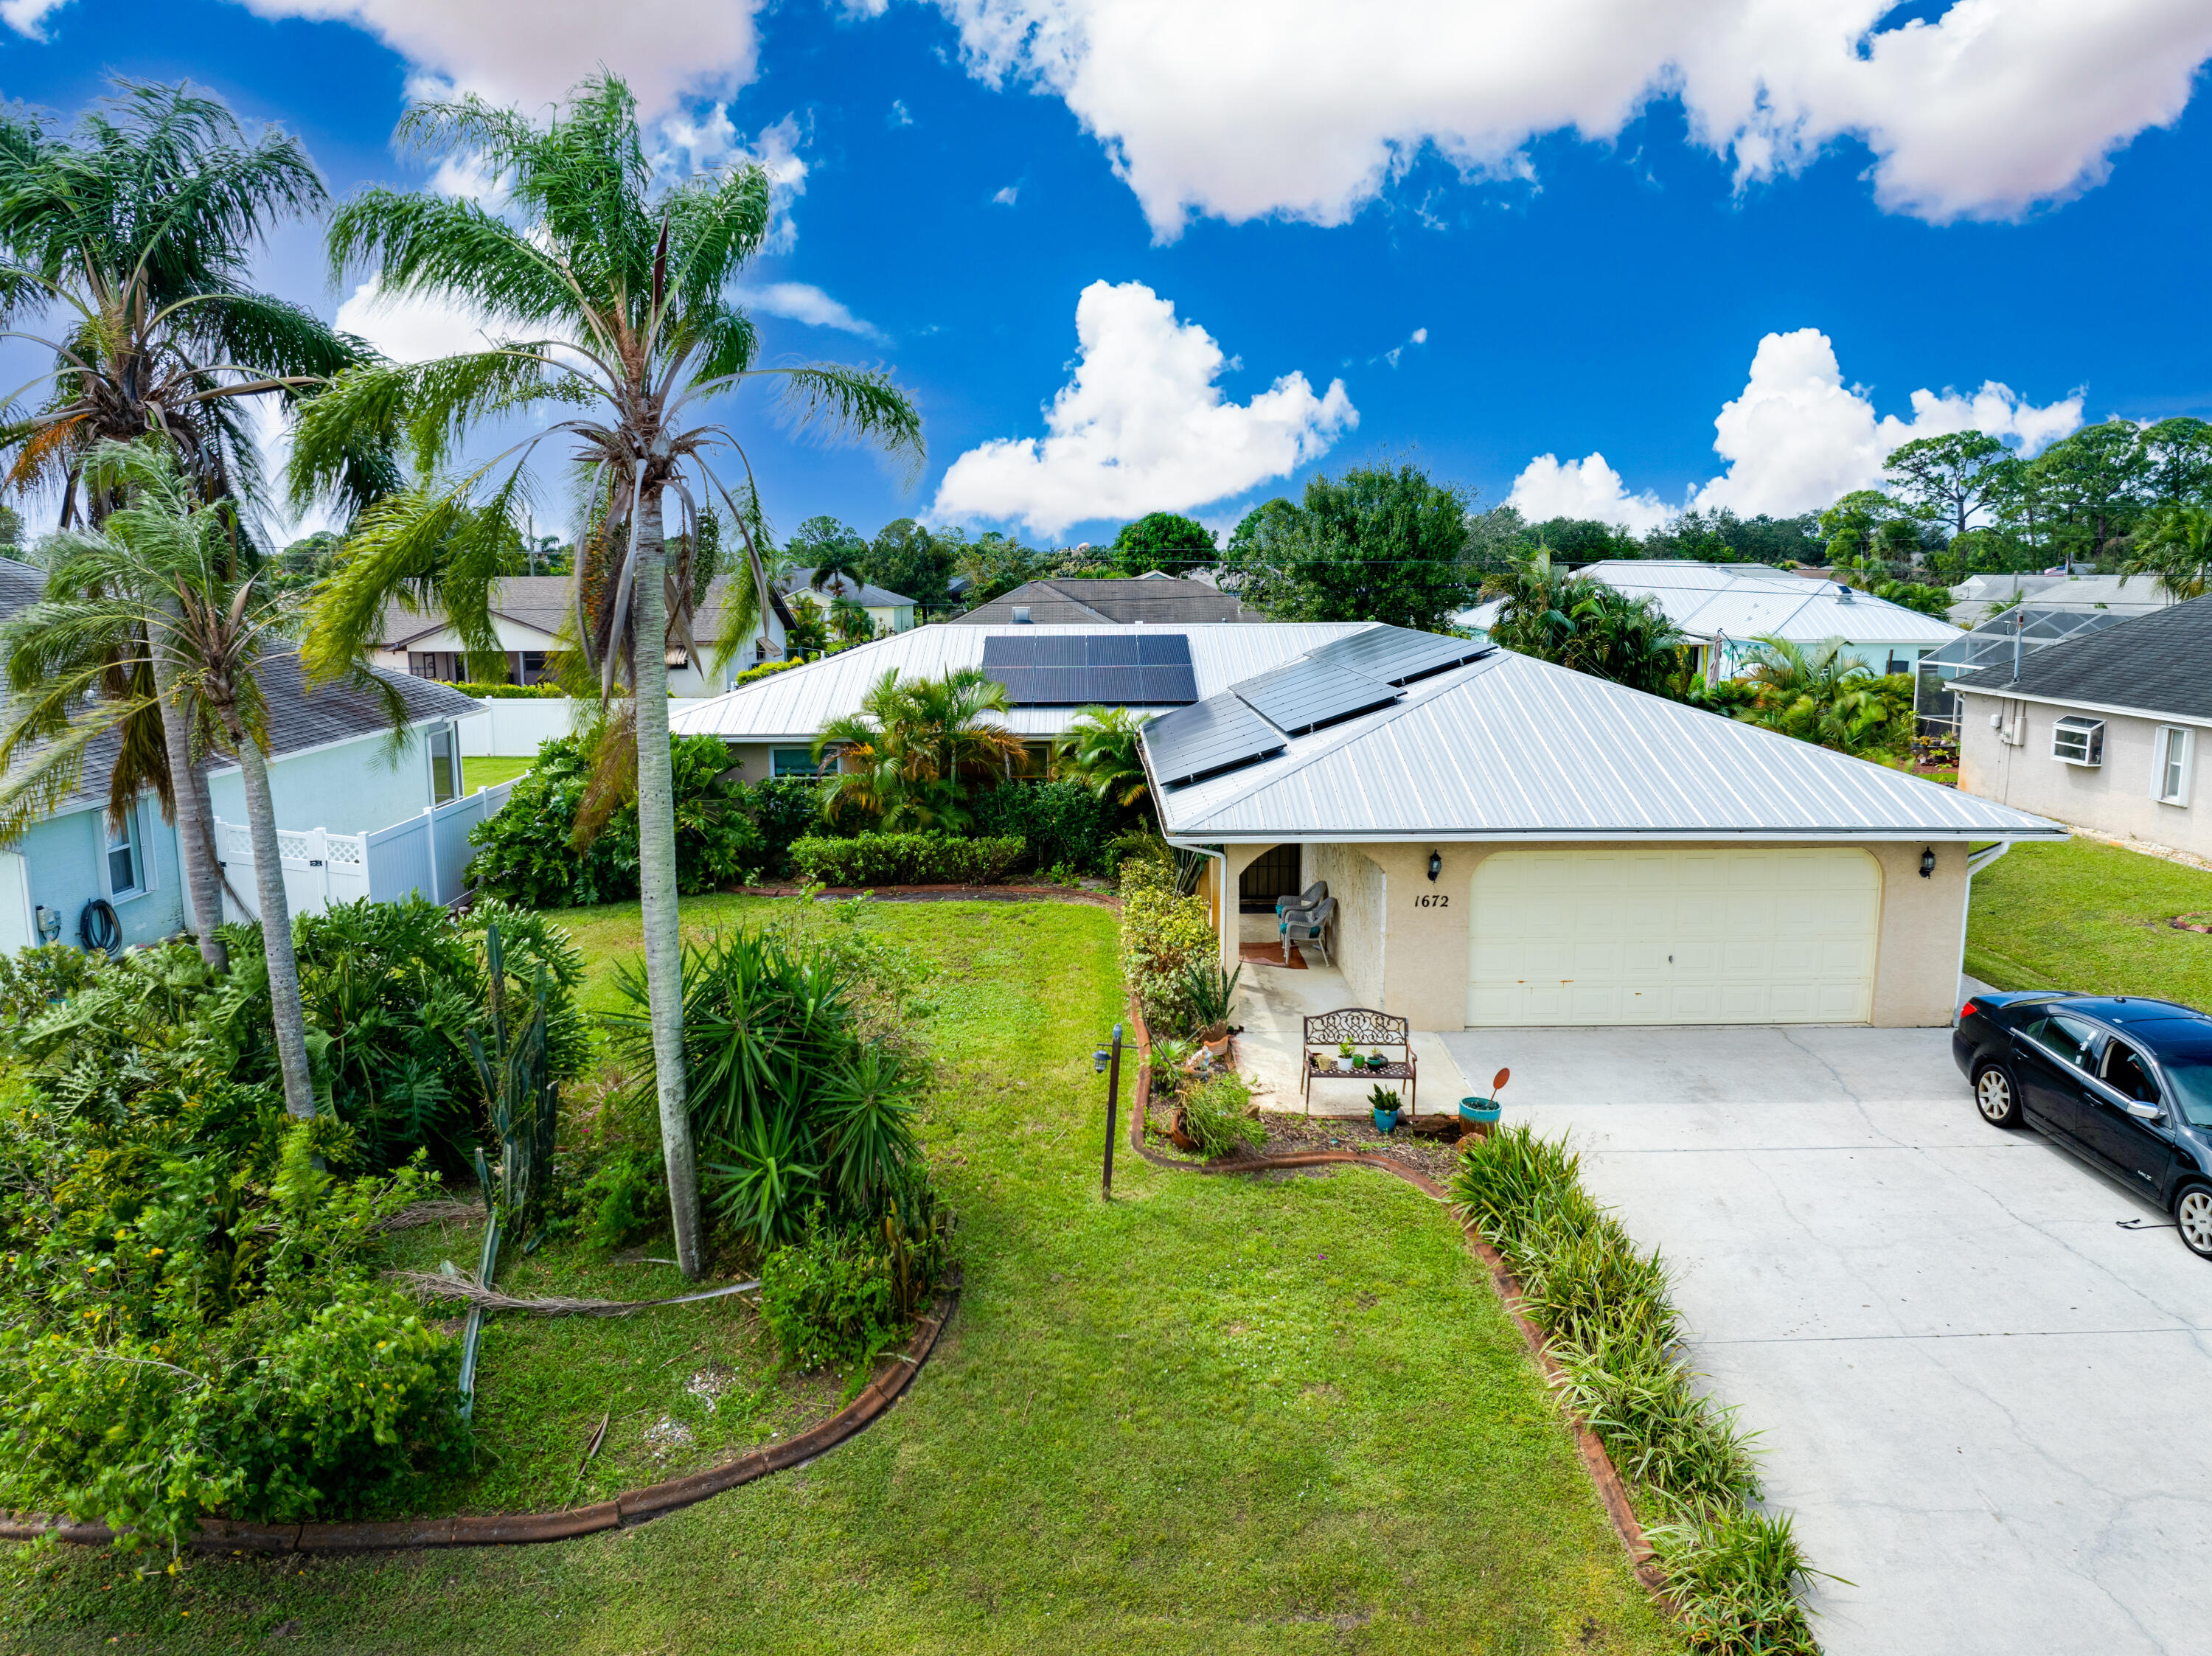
(1162, 932)
(870, 859)
(1064, 822)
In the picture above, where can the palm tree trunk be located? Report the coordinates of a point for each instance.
(656, 880)
(195, 812)
(287, 1013)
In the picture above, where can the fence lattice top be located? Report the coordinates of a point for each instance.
(1357, 1025)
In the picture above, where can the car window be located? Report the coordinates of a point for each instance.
(2125, 1072)
(2066, 1038)
(2192, 1082)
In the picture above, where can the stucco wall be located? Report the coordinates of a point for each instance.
(352, 788)
(64, 866)
(1360, 947)
(2114, 798)
(1400, 956)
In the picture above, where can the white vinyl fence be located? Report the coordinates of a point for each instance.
(512, 726)
(427, 855)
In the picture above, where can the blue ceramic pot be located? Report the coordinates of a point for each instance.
(1483, 1111)
(1385, 1121)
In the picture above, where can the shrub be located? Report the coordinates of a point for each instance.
(872, 859)
(827, 1298)
(1163, 936)
(524, 854)
(795, 1100)
(1213, 1115)
(1604, 1308)
(785, 808)
(546, 691)
(1060, 823)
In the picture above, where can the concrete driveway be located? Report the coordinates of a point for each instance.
(1985, 1400)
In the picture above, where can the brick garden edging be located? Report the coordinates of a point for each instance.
(510, 1529)
(1612, 1493)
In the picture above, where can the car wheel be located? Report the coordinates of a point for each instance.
(2193, 1215)
(1996, 1097)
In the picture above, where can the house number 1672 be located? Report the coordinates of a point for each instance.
(1433, 900)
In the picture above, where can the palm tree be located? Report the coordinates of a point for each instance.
(1099, 750)
(609, 303)
(165, 568)
(2175, 548)
(1584, 624)
(837, 566)
(135, 231)
(916, 747)
(850, 623)
(1818, 695)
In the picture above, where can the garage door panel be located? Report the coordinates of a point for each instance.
(1721, 936)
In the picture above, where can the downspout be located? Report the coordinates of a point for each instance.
(1976, 862)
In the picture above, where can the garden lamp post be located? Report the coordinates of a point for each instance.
(1109, 1060)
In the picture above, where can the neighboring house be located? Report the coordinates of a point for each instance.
(891, 611)
(771, 724)
(2105, 729)
(2014, 634)
(333, 766)
(1512, 843)
(1153, 600)
(1727, 606)
(528, 611)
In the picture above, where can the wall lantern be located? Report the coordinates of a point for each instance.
(1435, 864)
(1927, 862)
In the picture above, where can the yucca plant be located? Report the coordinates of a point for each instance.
(521, 1093)
(1209, 991)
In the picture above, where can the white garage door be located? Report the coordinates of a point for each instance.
(1725, 936)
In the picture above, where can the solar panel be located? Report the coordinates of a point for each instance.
(1307, 694)
(1399, 655)
(1207, 738)
(1122, 668)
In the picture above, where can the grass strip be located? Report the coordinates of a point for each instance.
(1606, 1312)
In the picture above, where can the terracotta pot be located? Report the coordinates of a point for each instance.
(1217, 1041)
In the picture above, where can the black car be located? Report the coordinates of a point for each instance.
(2127, 1081)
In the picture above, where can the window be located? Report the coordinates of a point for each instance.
(445, 764)
(793, 761)
(2066, 1038)
(2171, 752)
(2078, 740)
(124, 875)
(2125, 1073)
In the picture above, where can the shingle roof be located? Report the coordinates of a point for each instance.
(1153, 600)
(864, 593)
(545, 601)
(2160, 662)
(20, 585)
(1510, 747)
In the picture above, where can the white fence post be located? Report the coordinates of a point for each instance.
(430, 842)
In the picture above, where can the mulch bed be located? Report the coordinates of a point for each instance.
(1291, 1135)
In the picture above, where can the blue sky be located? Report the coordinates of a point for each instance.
(1479, 244)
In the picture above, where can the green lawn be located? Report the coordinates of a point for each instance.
(2081, 914)
(1214, 1415)
(486, 771)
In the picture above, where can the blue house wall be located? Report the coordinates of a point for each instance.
(352, 787)
(65, 867)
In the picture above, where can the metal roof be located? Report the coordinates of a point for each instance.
(1745, 600)
(795, 706)
(1510, 747)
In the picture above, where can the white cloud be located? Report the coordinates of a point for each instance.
(28, 17)
(1795, 440)
(1418, 336)
(1549, 487)
(900, 115)
(1241, 108)
(531, 51)
(1142, 427)
(410, 329)
(802, 302)
(1006, 197)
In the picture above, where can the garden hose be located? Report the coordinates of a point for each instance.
(97, 927)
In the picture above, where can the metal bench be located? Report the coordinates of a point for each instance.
(1364, 1028)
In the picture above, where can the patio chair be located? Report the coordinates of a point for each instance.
(1310, 898)
(1306, 925)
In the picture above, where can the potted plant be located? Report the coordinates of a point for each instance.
(1210, 991)
(1375, 1060)
(1385, 1105)
(1344, 1060)
(1482, 1113)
